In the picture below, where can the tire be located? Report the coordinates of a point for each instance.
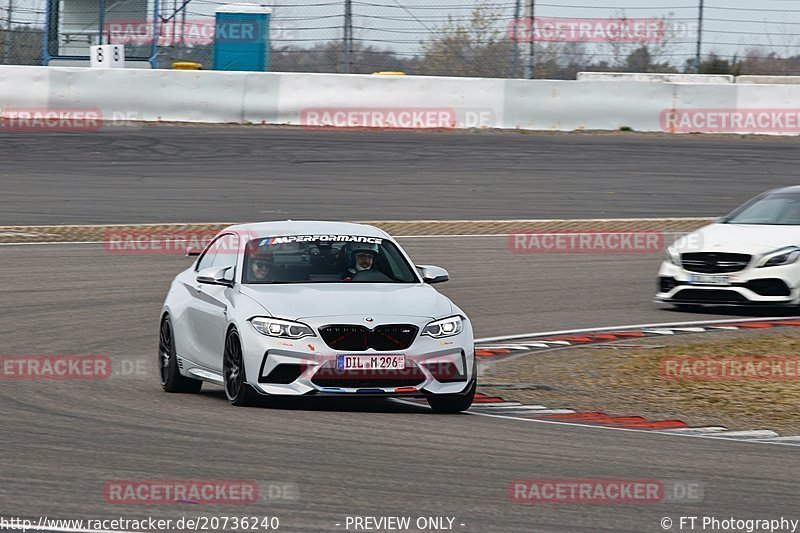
(453, 403)
(170, 376)
(238, 392)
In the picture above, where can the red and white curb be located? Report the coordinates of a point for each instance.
(500, 348)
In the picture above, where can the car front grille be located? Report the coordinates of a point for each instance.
(386, 338)
(715, 262)
(709, 296)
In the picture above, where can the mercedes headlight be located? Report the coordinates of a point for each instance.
(283, 329)
(671, 257)
(446, 327)
(783, 256)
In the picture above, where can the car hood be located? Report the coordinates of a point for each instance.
(300, 301)
(739, 238)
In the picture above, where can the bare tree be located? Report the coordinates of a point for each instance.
(479, 48)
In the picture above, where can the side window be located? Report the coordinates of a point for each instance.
(397, 265)
(227, 250)
(207, 259)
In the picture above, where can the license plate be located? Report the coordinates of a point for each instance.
(370, 362)
(705, 279)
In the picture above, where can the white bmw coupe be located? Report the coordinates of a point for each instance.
(749, 257)
(315, 308)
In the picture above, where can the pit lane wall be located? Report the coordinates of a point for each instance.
(303, 99)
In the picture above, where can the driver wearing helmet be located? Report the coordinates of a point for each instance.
(361, 257)
(259, 267)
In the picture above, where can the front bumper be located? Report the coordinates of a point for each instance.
(773, 286)
(308, 367)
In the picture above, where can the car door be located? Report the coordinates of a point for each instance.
(207, 310)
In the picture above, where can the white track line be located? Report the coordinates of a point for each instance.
(790, 438)
(526, 220)
(633, 327)
(650, 432)
(697, 430)
(498, 405)
(748, 434)
(512, 407)
(50, 243)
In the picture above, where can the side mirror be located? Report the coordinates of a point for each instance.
(433, 274)
(193, 252)
(216, 276)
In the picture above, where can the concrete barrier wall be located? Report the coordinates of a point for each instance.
(769, 80)
(286, 98)
(655, 76)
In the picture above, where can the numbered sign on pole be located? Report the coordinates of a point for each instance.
(108, 56)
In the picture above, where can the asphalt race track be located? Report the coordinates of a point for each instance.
(61, 441)
(201, 174)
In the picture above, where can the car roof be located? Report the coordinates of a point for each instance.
(791, 188)
(306, 227)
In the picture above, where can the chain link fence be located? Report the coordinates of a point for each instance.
(510, 38)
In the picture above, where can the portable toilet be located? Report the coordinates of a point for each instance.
(241, 37)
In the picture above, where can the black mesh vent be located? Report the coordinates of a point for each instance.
(769, 287)
(283, 374)
(392, 337)
(666, 284)
(346, 338)
(387, 338)
(445, 372)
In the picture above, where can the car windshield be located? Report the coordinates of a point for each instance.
(325, 259)
(779, 209)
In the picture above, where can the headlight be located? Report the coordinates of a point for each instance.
(671, 257)
(283, 329)
(446, 327)
(784, 256)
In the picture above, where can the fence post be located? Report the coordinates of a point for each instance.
(699, 38)
(101, 22)
(515, 39)
(7, 50)
(347, 41)
(529, 61)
